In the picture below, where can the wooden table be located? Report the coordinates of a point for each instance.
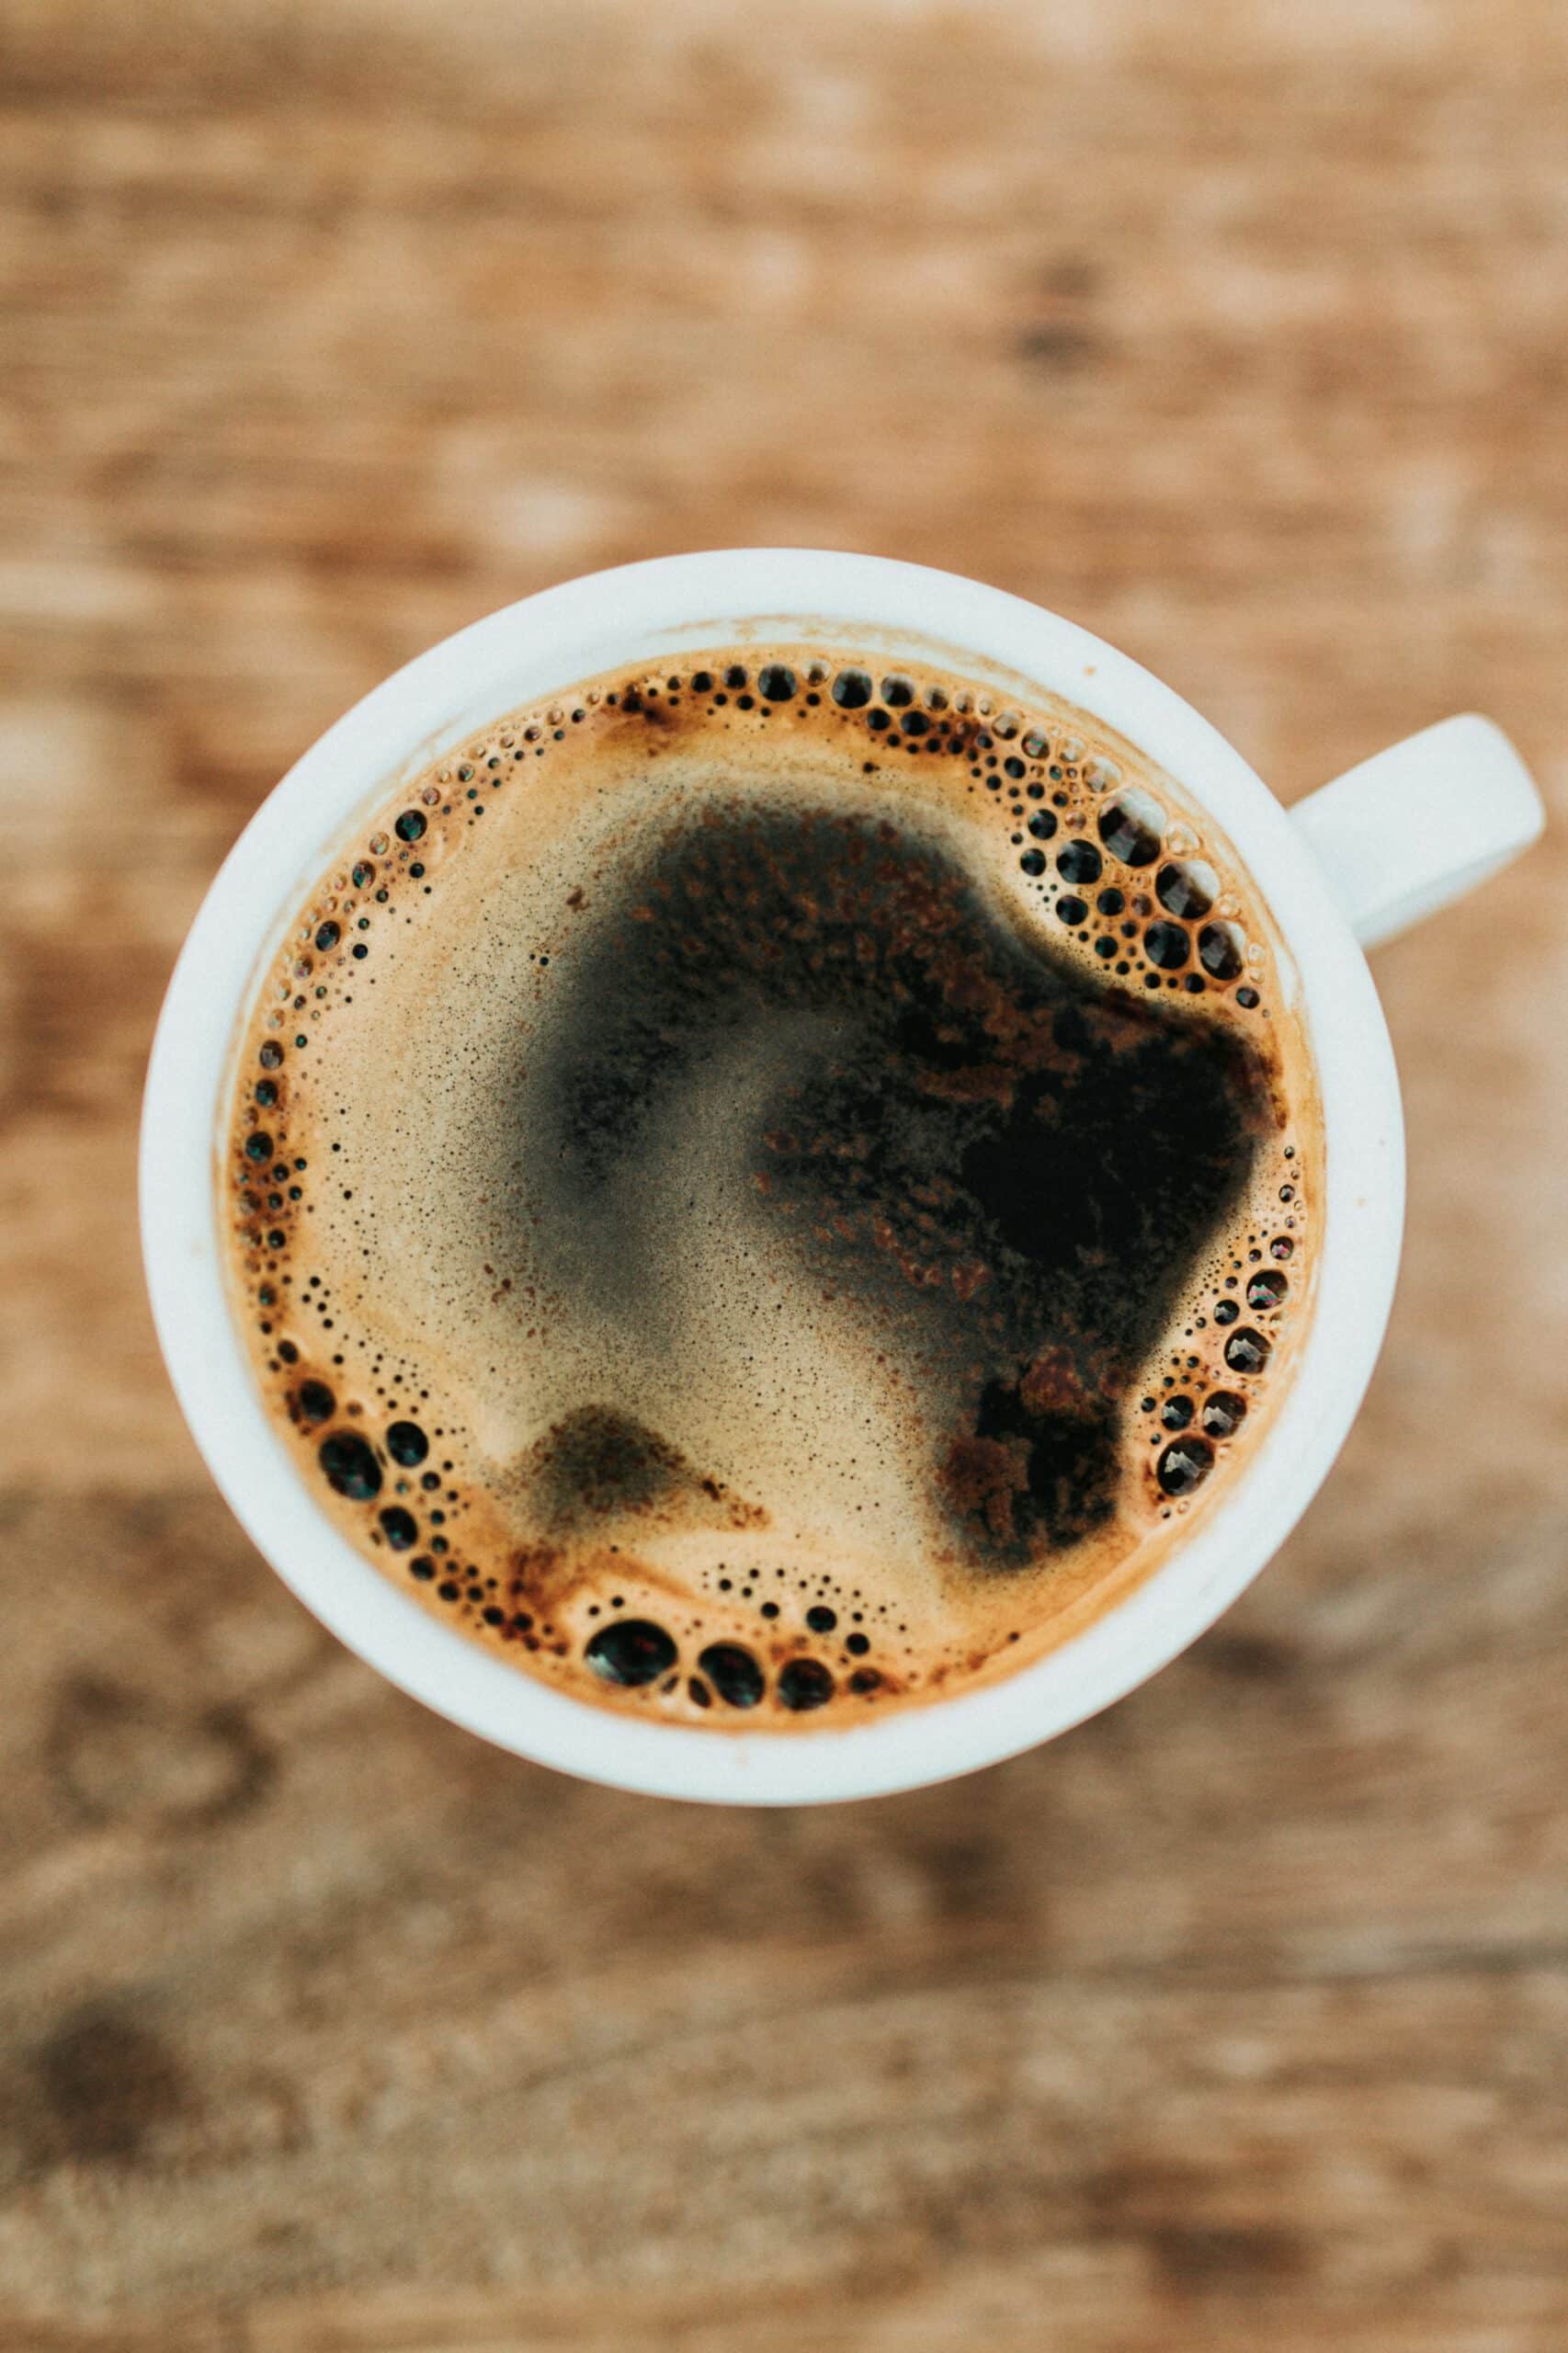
(1236, 2019)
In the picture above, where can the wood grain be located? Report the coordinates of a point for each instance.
(1236, 2018)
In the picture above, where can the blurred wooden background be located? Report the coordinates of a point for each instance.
(1236, 2019)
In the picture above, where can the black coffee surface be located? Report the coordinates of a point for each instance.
(1006, 1163)
(777, 1190)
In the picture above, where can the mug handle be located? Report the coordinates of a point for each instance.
(1419, 826)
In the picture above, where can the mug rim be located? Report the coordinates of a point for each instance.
(547, 642)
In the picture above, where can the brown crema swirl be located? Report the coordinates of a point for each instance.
(775, 1188)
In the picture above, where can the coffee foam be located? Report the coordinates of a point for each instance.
(531, 1242)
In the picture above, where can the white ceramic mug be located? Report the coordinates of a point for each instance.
(1390, 842)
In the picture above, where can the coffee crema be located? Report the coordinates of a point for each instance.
(774, 1186)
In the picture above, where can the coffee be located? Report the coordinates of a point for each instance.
(775, 1186)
